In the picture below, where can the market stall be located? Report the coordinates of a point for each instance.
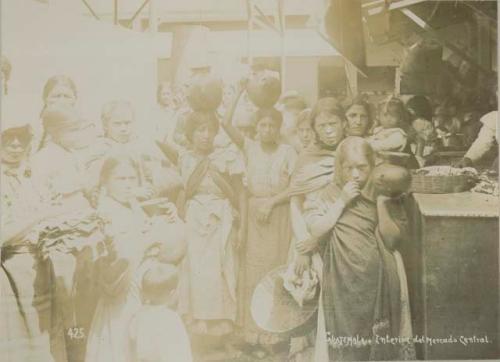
(452, 264)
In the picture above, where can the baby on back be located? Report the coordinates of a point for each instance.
(157, 333)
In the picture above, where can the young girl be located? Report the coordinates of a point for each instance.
(269, 166)
(364, 291)
(130, 233)
(391, 135)
(157, 333)
(305, 133)
(214, 199)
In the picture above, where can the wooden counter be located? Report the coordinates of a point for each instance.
(453, 273)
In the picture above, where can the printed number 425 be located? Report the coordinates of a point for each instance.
(76, 333)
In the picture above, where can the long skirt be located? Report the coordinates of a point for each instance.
(30, 327)
(109, 336)
(207, 290)
(266, 248)
(364, 292)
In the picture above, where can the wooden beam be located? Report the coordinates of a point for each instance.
(422, 24)
(90, 9)
(153, 16)
(265, 21)
(394, 6)
(343, 57)
(115, 12)
(138, 11)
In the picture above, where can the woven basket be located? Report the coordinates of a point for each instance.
(424, 184)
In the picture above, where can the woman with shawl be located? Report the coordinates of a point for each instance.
(30, 330)
(214, 214)
(314, 171)
(364, 292)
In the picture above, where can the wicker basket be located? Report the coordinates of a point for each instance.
(424, 184)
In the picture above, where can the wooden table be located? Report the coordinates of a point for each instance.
(452, 264)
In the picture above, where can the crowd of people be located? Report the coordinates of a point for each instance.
(146, 242)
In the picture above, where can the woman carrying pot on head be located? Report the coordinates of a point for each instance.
(214, 213)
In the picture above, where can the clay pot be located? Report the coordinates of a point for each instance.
(264, 89)
(391, 180)
(205, 93)
(172, 242)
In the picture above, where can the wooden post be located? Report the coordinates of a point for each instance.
(153, 16)
(352, 78)
(281, 13)
(115, 12)
(249, 32)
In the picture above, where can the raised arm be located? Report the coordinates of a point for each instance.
(233, 133)
(169, 151)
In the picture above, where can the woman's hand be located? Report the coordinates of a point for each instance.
(383, 199)
(350, 191)
(144, 192)
(242, 85)
(264, 211)
(169, 211)
(302, 263)
(307, 245)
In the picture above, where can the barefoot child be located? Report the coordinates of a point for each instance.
(157, 333)
(269, 167)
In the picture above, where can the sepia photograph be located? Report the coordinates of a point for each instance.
(249, 180)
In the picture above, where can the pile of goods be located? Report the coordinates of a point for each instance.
(71, 232)
(443, 179)
(487, 184)
(446, 171)
(302, 288)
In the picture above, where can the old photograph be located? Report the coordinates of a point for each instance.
(249, 180)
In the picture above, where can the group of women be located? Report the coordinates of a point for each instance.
(223, 213)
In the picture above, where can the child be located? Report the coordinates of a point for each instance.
(157, 333)
(391, 135)
(361, 248)
(305, 133)
(130, 232)
(269, 167)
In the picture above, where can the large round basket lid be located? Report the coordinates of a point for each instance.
(274, 309)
